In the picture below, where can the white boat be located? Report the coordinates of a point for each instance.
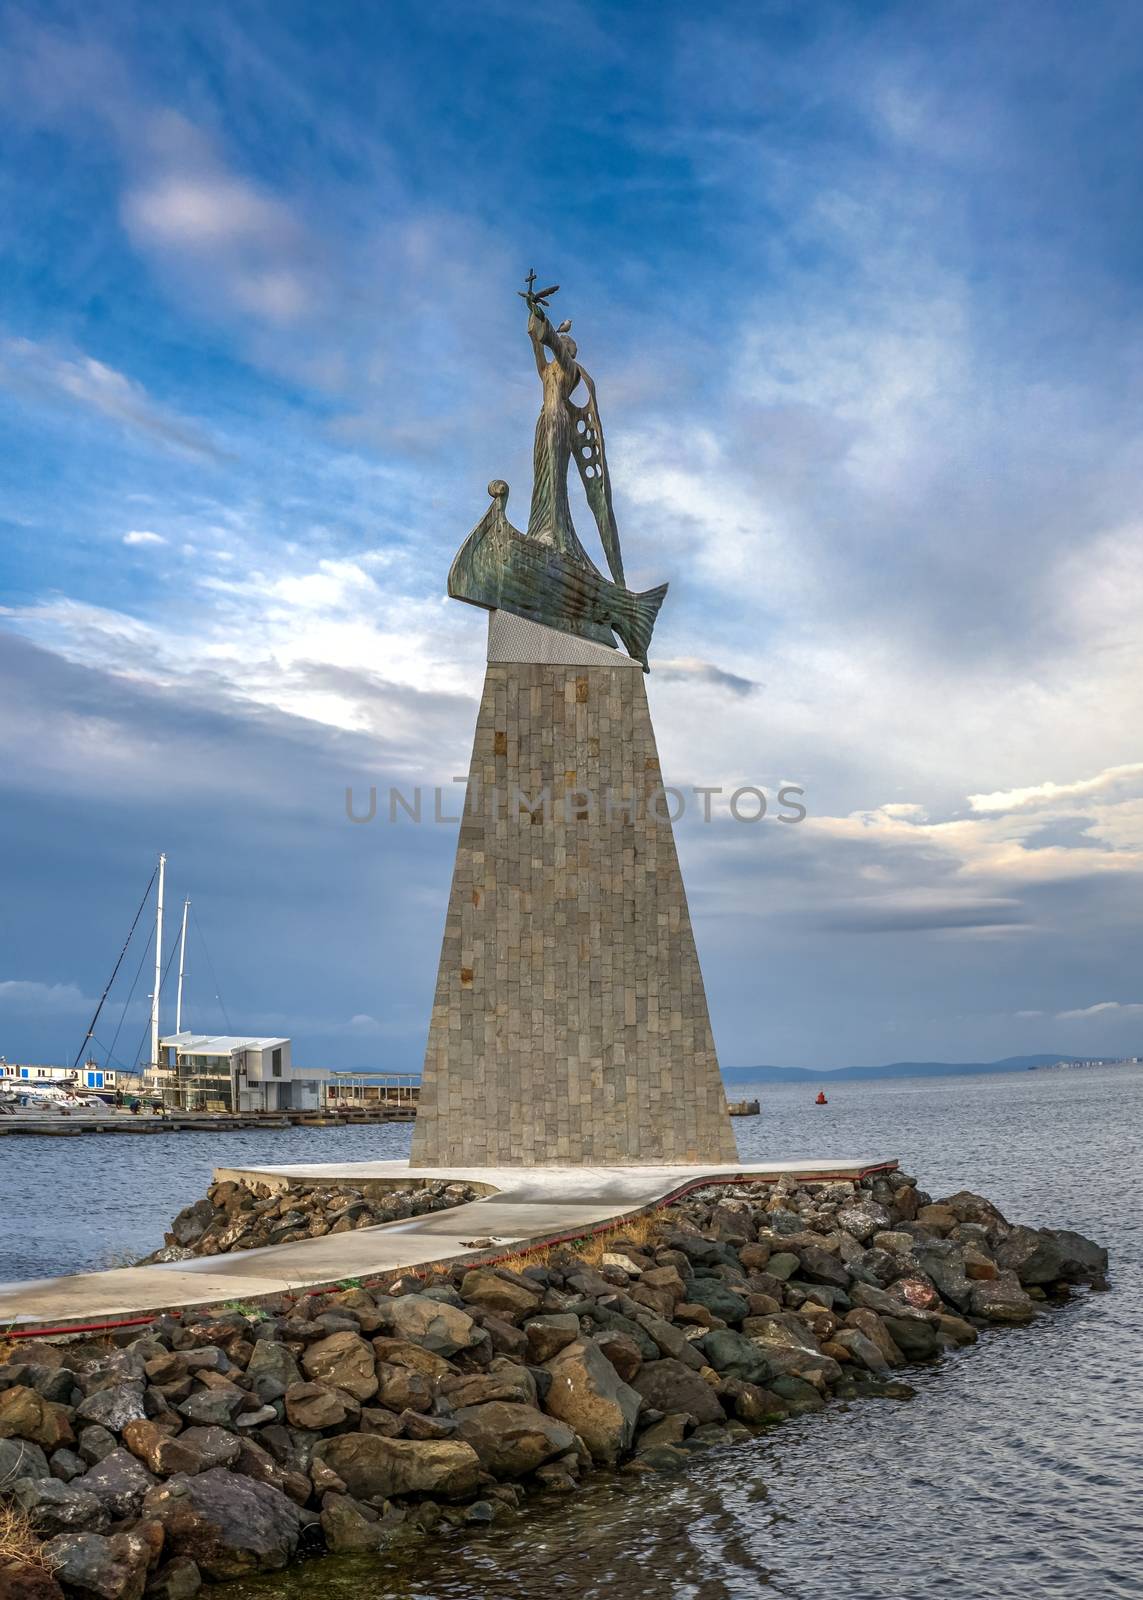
(51, 1100)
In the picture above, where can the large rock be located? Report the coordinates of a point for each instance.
(66, 1465)
(669, 1386)
(401, 1389)
(20, 1458)
(782, 1266)
(504, 1380)
(318, 1406)
(217, 1446)
(509, 1294)
(372, 1466)
(862, 1349)
(512, 1439)
(1048, 1255)
(919, 1293)
(968, 1207)
(255, 1462)
(212, 1408)
(25, 1414)
(56, 1507)
(113, 1407)
(192, 1222)
(550, 1334)
(717, 1298)
(877, 1266)
(350, 1527)
(863, 1220)
(1001, 1300)
(621, 1350)
(272, 1360)
(112, 1568)
(666, 1339)
(179, 1579)
(810, 1363)
(751, 1402)
(943, 1262)
(937, 1218)
(871, 1325)
(229, 1525)
(755, 1256)
(782, 1328)
(734, 1355)
(822, 1266)
(404, 1353)
(120, 1480)
(443, 1329)
(160, 1452)
(915, 1337)
(886, 1305)
(345, 1361)
(589, 1395)
(27, 1580)
(1084, 1261)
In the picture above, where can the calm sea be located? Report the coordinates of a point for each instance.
(1016, 1469)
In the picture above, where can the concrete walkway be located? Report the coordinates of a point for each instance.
(524, 1206)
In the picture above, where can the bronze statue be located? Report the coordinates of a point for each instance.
(546, 574)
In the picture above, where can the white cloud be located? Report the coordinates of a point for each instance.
(193, 209)
(25, 997)
(139, 536)
(1048, 793)
(216, 234)
(47, 374)
(1102, 1008)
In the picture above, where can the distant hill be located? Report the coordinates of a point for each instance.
(892, 1069)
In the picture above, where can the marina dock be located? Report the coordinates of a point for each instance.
(61, 1126)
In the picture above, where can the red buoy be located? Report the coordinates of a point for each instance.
(821, 1099)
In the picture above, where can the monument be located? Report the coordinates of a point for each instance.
(569, 1024)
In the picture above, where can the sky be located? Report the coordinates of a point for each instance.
(860, 287)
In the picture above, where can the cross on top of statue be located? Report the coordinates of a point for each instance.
(530, 294)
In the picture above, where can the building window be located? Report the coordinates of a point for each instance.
(276, 1063)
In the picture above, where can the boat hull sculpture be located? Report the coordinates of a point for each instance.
(546, 574)
(504, 570)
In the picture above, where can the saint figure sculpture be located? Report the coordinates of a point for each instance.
(546, 574)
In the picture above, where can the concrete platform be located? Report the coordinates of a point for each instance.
(523, 1206)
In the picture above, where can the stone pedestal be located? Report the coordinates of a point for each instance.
(570, 1023)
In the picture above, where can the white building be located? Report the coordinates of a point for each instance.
(215, 1072)
(88, 1079)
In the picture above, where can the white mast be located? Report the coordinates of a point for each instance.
(182, 969)
(158, 964)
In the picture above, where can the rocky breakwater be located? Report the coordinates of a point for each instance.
(246, 1216)
(212, 1447)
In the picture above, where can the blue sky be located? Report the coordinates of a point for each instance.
(860, 287)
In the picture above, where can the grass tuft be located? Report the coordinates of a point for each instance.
(18, 1543)
(641, 1232)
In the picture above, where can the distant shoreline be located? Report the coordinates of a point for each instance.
(740, 1076)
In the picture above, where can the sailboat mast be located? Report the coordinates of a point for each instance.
(182, 969)
(158, 963)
